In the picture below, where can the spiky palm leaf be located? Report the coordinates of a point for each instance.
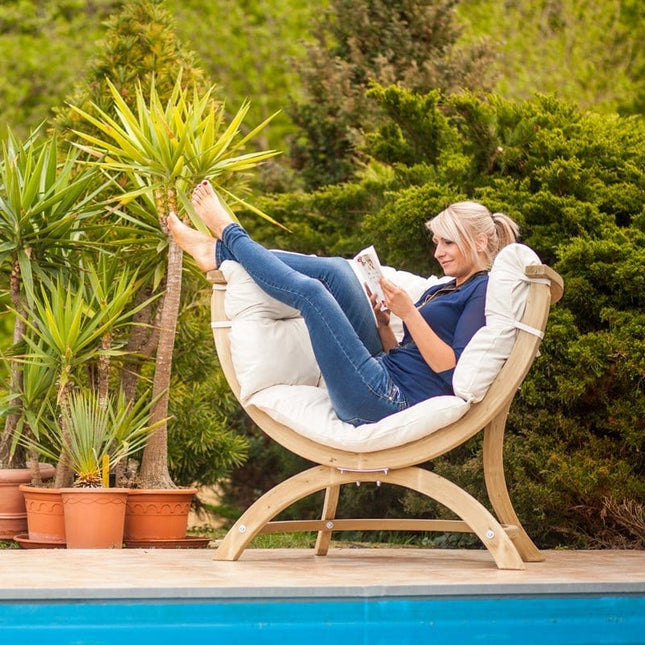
(67, 321)
(172, 147)
(42, 202)
(43, 198)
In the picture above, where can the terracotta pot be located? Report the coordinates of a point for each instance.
(45, 521)
(157, 514)
(94, 517)
(13, 514)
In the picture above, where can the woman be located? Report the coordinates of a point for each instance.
(369, 375)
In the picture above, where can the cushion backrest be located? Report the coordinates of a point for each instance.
(487, 351)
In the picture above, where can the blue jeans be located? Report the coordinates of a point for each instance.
(338, 317)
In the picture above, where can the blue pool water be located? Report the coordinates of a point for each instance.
(588, 620)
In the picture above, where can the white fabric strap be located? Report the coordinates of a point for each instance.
(524, 327)
(531, 330)
(385, 470)
(220, 324)
(537, 280)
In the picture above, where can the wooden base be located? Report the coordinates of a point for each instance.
(474, 516)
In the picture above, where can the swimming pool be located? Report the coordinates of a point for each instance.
(353, 595)
(552, 620)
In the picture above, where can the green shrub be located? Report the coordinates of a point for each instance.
(575, 182)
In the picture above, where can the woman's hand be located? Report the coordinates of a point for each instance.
(436, 353)
(382, 315)
(388, 339)
(397, 300)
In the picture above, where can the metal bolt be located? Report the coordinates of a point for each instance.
(490, 534)
(242, 528)
(329, 525)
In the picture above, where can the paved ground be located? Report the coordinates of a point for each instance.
(297, 573)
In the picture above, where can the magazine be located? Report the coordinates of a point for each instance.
(369, 268)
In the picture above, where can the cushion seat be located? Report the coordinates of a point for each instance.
(308, 411)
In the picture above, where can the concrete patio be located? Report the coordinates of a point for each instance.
(34, 574)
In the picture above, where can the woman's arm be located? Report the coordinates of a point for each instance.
(435, 352)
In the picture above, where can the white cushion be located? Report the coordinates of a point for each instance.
(506, 295)
(269, 341)
(277, 371)
(308, 411)
(244, 299)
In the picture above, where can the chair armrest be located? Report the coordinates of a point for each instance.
(544, 271)
(216, 277)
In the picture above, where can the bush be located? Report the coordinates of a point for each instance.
(575, 182)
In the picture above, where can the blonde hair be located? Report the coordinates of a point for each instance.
(465, 222)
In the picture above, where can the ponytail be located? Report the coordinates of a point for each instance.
(507, 231)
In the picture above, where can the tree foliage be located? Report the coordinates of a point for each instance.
(587, 52)
(575, 183)
(44, 48)
(140, 47)
(409, 43)
(248, 47)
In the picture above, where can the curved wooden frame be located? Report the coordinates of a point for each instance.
(504, 537)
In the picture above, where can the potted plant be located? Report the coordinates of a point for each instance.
(94, 434)
(161, 151)
(74, 333)
(41, 503)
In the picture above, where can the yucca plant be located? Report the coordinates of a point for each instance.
(163, 150)
(73, 332)
(29, 404)
(44, 196)
(94, 434)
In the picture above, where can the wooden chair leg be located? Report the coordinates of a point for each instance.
(329, 513)
(498, 491)
(474, 514)
(269, 505)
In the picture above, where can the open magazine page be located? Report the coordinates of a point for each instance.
(370, 270)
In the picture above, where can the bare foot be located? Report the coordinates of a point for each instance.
(209, 208)
(195, 243)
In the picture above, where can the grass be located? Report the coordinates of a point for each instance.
(306, 540)
(9, 544)
(268, 541)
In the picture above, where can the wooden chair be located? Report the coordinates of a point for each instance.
(503, 535)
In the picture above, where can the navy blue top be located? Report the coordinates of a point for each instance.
(454, 316)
